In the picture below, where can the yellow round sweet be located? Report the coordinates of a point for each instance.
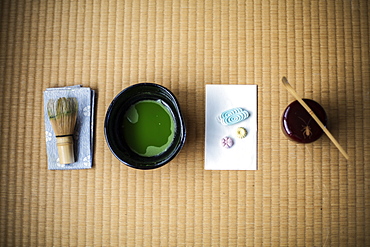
(241, 132)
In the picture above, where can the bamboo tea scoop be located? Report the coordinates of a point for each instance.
(308, 109)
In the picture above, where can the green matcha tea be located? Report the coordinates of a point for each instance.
(148, 128)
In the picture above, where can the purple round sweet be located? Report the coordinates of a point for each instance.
(227, 142)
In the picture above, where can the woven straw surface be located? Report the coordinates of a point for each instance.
(301, 194)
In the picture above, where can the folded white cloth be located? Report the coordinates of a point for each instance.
(83, 136)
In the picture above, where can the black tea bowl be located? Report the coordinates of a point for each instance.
(114, 118)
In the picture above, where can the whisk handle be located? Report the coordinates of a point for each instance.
(65, 149)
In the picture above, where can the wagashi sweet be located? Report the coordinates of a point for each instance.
(227, 142)
(241, 132)
(233, 116)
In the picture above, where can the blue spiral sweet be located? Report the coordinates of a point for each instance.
(233, 116)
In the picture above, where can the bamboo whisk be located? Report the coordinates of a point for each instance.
(63, 115)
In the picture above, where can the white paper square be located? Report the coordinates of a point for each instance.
(243, 154)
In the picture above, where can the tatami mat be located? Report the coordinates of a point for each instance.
(301, 195)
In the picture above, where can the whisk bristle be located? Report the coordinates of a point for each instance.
(63, 114)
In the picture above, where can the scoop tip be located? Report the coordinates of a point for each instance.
(285, 80)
